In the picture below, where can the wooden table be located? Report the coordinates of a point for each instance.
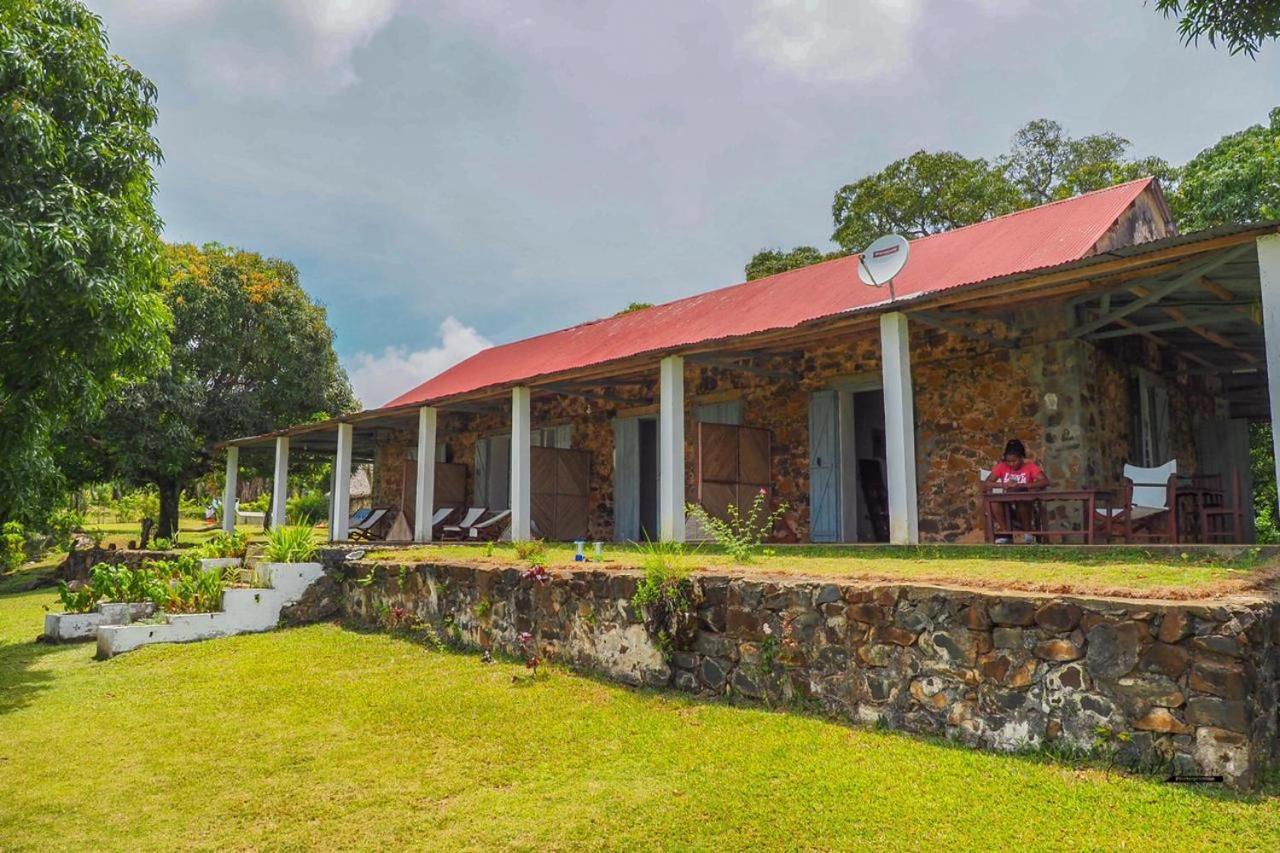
(995, 493)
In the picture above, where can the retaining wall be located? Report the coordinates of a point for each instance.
(1192, 689)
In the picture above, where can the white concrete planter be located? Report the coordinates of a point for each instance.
(208, 563)
(67, 627)
(243, 611)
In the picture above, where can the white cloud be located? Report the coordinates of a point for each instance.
(269, 49)
(830, 40)
(378, 379)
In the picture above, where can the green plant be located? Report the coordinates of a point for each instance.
(77, 599)
(60, 525)
(368, 579)
(483, 608)
(225, 545)
(740, 535)
(1107, 744)
(191, 589)
(12, 546)
(533, 551)
(402, 576)
(307, 509)
(117, 582)
(259, 577)
(489, 548)
(666, 568)
(290, 544)
(163, 544)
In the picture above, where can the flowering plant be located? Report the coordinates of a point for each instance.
(740, 535)
(529, 648)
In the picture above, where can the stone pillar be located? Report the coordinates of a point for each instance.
(521, 499)
(426, 494)
(229, 490)
(280, 483)
(899, 428)
(341, 502)
(671, 467)
(1269, 275)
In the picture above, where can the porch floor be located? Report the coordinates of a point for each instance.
(1177, 573)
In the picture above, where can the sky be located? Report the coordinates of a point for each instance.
(447, 174)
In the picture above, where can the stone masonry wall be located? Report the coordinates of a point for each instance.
(1193, 687)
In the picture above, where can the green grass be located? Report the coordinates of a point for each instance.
(190, 531)
(326, 738)
(1105, 571)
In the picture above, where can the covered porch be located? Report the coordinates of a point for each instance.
(871, 425)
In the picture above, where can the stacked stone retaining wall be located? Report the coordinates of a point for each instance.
(1190, 689)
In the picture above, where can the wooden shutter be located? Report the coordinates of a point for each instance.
(824, 467)
(733, 464)
(481, 497)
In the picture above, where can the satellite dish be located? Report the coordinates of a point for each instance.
(883, 260)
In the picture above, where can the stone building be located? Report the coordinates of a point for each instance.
(1088, 328)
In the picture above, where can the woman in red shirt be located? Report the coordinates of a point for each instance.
(1015, 473)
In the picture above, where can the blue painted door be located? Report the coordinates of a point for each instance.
(824, 467)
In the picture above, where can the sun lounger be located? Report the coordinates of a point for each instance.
(364, 529)
(457, 531)
(490, 528)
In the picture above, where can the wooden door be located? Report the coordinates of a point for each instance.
(824, 467)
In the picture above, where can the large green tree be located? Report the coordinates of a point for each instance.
(251, 353)
(1045, 163)
(1241, 25)
(80, 307)
(773, 261)
(1236, 180)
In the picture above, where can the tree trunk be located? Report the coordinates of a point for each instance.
(167, 527)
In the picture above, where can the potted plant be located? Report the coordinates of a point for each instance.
(223, 551)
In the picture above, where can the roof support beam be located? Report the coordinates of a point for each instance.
(1212, 337)
(1160, 290)
(1186, 322)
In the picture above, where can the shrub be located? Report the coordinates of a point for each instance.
(223, 545)
(162, 544)
(308, 509)
(189, 588)
(740, 536)
(12, 546)
(666, 567)
(534, 551)
(60, 525)
(118, 583)
(290, 544)
(78, 599)
(138, 504)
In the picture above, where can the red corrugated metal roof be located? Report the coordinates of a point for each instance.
(1032, 239)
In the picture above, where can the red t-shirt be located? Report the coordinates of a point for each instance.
(1028, 473)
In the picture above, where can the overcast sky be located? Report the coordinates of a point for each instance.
(446, 174)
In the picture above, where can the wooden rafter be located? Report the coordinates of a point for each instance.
(1159, 290)
(1213, 337)
(1186, 322)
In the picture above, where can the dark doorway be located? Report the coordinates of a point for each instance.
(869, 448)
(649, 478)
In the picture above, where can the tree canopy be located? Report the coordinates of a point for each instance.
(1241, 25)
(1236, 180)
(251, 353)
(80, 308)
(772, 261)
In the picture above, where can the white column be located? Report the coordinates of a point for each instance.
(899, 427)
(229, 490)
(1269, 275)
(426, 496)
(338, 531)
(671, 449)
(521, 502)
(280, 483)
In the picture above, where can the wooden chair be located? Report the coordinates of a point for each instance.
(1148, 505)
(1220, 521)
(375, 525)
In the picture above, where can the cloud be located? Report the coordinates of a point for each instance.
(377, 379)
(830, 40)
(264, 48)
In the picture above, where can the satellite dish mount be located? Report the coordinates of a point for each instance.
(882, 260)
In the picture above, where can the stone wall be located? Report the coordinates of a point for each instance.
(1066, 399)
(78, 562)
(1194, 688)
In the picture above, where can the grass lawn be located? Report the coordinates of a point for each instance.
(1126, 572)
(323, 737)
(190, 531)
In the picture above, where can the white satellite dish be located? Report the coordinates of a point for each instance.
(883, 260)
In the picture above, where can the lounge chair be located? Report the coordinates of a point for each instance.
(490, 528)
(1148, 505)
(457, 531)
(363, 530)
(440, 516)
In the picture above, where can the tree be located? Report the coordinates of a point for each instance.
(773, 261)
(1236, 180)
(251, 353)
(80, 308)
(1241, 25)
(1046, 164)
(922, 194)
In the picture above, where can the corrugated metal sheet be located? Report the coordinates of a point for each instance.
(1033, 239)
